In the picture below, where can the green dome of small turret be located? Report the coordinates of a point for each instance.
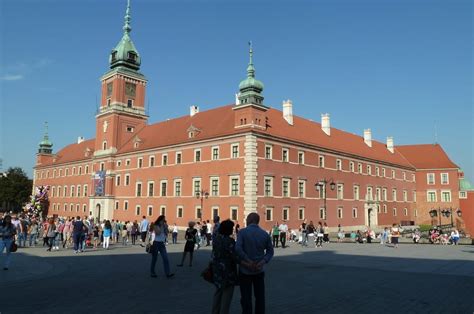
(45, 146)
(251, 88)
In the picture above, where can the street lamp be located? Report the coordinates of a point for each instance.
(446, 212)
(321, 184)
(202, 195)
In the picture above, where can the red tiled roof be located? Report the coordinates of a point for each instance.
(219, 122)
(426, 156)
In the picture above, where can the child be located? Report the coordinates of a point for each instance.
(384, 236)
(96, 236)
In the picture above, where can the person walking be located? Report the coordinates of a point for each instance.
(134, 232)
(144, 224)
(33, 233)
(161, 230)
(124, 234)
(283, 231)
(7, 236)
(275, 235)
(78, 230)
(190, 237)
(208, 233)
(254, 248)
(395, 235)
(310, 231)
(224, 268)
(174, 234)
(67, 232)
(319, 235)
(108, 232)
(50, 233)
(304, 234)
(326, 233)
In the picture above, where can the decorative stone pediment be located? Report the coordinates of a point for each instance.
(193, 131)
(137, 141)
(87, 152)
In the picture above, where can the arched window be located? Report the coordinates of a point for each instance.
(104, 145)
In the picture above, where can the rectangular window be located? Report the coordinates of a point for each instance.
(385, 194)
(84, 208)
(79, 191)
(463, 194)
(393, 174)
(234, 213)
(198, 212)
(285, 213)
(354, 213)
(340, 191)
(405, 211)
(284, 155)
(164, 160)
(339, 213)
(370, 195)
(446, 196)
(197, 187)
(338, 164)
(235, 150)
(178, 158)
(215, 153)
(139, 189)
(102, 166)
(151, 189)
(127, 162)
(414, 196)
(394, 212)
(163, 188)
(137, 210)
(140, 162)
(269, 214)
(150, 210)
(445, 178)
(377, 171)
(117, 180)
(301, 188)
(125, 205)
(369, 170)
(405, 196)
(321, 161)
(85, 190)
(197, 155)
(301, 158)
(301, 213)
(430, 178)
(127, 179)
(268, 152)
(73, 188)
(215, 211)
(378, 194)
(152, 161)
(356, 193)
(179, 211)
(431, 196)
(77, 208)
(383, 172)
(116, 205)
(351, 166)
(234, 187)
(268, 186)
(359, 168)
(322, 213)
(163, 210)
(65, 191)
(394, 195)
(384, 209)
(285, 187)
(215, 186)
(177, 188)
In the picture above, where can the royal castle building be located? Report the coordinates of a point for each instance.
(236, 159)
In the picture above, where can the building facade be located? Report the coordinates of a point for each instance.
(228, 161)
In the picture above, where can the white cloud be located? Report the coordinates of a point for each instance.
(14, 77)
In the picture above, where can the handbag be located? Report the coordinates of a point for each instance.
(207, 274)
(13, 247)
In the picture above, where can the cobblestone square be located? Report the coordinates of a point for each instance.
(339, 278)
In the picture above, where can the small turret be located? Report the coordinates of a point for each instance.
(251, 88)
(45, 146)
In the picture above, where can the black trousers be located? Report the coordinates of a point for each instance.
(283, 239)
(257, 282)
(275, 240)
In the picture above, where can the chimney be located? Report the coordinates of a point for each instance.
(390, 144)
(193, 110)
(288, 111)
(80, 139)
(325, 123)
(368, 137)
(237, 101)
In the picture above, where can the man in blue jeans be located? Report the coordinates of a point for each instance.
(254, 246)
(77, 234)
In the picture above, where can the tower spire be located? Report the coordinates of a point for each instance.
(250, 68)
(45, 146)
(250, 89)
(126, 27)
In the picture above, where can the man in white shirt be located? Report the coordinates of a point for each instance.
(283, 230)
(208, 233)
(143, 229)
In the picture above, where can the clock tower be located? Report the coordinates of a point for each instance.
(122, 105)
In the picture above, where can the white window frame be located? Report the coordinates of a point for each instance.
(140, 162)
(286, 210)
(211, 179)
(369, 170)
(463, 194)
(301, 182)
(354, 212)
(128, 162)
(321, 161)
(180, 181)
(289, 187)
(377, 171)
(322, 213)
(267, 210)
(351, 166)
(215, 148)
(117, 180)
(394, 212)
(152, 190)
(163, 210)
(405, 195)
(214, 211)
(356, 191)
(264, 186)
(385, 210)
(447, 178)
(428, 177)
(405, 211)
(268, 146)
(340, 213)
(164, 160)
(151, 161)
(177, 211)
(149, 210)
(197, 150)
(197, 209)
(194, 186)
(431, 192)
(232, 146)
(84, 191)
(301, 157)
(138, 210)
(359, 168)
(340, 191)
(232, 209)
(339, 164)
(116, 206)
(446, 192)
(383, 172)
(180, 159)
(136, 189)
(231, 178)
(125, 205)
(161, 188)
(127, 180)
(287, 159)
(394, 194)
(301, 213)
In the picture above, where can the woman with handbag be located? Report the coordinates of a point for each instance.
(7, 232)
(161, 230)
(190, 237)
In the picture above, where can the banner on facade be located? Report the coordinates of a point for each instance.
(99, 183)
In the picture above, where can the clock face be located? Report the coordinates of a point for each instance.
(109, 89)
(130, 89)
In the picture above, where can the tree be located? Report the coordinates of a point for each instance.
(15, 189)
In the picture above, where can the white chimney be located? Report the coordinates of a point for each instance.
(193, 110)
(237, 101)
(80, 139)
(325, 123)
(368, 137)
(288, 111)
(390, 144)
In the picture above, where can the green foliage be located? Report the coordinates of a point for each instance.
(15, 189)
(424, 228)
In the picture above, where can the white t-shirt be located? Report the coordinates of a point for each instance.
(175, 229)
(283, 228)
(209, 228)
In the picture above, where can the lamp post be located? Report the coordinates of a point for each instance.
(446, 212)
(322, 184)
(202, 194)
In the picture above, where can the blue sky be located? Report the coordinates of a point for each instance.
(402, 68)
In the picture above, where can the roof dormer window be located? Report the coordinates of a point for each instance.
(114, 56)
(132, 56)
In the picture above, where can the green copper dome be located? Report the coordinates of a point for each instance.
(125, 54)
(465, 185)
(45, 146)
(250, 88)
